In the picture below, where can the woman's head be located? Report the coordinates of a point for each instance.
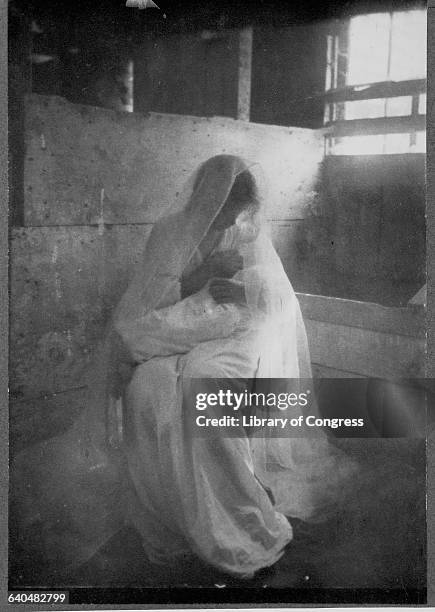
(243, 196)
(223, 183)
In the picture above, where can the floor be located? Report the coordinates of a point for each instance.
(375, 540)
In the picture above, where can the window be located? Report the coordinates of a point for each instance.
(376, 83)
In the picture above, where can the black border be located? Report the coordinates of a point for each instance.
(4, 344)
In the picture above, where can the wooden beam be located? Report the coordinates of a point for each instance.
(380, 125)
(402, 321)
(244, 74)
(386, 89)
(365, 352)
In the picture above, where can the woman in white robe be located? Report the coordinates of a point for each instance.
(213, 496)
(209, 300)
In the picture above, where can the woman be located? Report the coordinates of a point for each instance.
(210, 300)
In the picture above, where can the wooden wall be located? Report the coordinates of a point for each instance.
(350, 338)
(364, 238)
(85, 164)
(189, 74)
(288, 74)
(197, 74)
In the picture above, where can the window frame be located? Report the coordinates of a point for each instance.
(338, 92)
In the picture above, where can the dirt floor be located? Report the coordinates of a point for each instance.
(375, 540)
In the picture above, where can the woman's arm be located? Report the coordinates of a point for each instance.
(225, 291)
(223, 264)
(176, 329)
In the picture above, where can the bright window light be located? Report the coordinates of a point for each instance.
(398, 143)
(379, 144)
(408, 46)
(368, 52)
(362, 109)
(399, 106)
(379, 48)
(358, 145)
(387, 46)
(420, 143)
(422, 104)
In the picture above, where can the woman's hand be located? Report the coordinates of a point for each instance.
(223, 264)
(225, 291)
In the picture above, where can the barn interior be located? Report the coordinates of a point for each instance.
(111, 107)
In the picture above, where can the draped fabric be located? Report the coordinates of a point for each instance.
(223, 499)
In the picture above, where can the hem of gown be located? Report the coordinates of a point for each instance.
(275, 553)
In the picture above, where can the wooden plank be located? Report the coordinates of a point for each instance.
(322, 371)
(84, 164)
(387, 89)
(201, 67)
(365, 352)
(380, 125)
(244, 76)
(409, 321)
(410, 166)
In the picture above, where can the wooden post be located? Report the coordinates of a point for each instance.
(244, 74)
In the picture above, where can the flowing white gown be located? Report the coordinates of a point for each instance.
(208, 495)
(199, 494)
